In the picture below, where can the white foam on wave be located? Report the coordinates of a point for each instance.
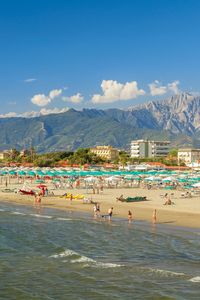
(166, 272)
(41, 216)
(195, 279)
(18, 213)
(93, 263)
(107, 265)
(81, 259)
(63, 219)
(65, 253)
(1, 209)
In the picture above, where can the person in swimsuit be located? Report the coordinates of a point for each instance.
(95, 211)
(130, 217)
(110, 212)
(154, 216)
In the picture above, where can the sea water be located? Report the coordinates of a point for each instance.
(52, 254)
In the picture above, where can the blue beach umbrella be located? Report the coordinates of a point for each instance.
(31, 173)
(21, 173)
(12, 172)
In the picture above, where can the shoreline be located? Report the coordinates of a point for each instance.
(185, 212)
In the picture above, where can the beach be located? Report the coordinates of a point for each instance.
(184, 212)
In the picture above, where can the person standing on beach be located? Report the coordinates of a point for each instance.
(98, 210)
(110, 212)
(38, 200)
(130, 217)
(95, 211)
(71, 198)
(154, 216)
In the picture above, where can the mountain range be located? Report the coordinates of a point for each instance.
(176, 119)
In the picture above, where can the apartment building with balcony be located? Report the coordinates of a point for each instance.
(148, 148)
(188, 156)
(105, 152)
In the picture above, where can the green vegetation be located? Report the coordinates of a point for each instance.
(80, 157)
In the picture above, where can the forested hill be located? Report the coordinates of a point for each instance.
(176, 119)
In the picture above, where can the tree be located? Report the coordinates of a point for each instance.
(124, 157)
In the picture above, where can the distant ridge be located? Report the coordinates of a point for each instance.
(176, 118)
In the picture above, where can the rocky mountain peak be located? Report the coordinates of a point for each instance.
(179, 114)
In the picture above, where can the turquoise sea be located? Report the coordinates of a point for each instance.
(53, 254)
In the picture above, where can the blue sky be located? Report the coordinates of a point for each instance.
(96, 53)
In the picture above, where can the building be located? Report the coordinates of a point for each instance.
(106, 152)
(4, 154)
(188, 156)
(149, 149)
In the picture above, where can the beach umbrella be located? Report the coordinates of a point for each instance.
(90, 179)
(112, 178)
(196, 184)
(182, 180)
(153, 178)
(31, 173)
(50, 174)
(21, 173)
(4, 172)
(41, 186)
(12, 172)
(168, 179)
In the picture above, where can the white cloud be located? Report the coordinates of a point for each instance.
(55, 110)
(9, 115)
(55, 93)
(156, 89)
(74, 99)
(173, 86)
(115, 91)
(40, 100)
(28, 80)
(43, 100)
(32, 114)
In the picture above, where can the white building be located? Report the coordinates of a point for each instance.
(147, 148)
(188, 156)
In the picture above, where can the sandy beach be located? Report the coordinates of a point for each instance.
(184, 212)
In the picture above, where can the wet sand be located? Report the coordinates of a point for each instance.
(185, 212)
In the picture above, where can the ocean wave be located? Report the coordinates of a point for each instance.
(195, 279)
(93, 263)
(64, 219)
(65, 253)
(166, 273)
(107, 265)
(81, 259)
(17, 213)
(1, 209)
(41, 216)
